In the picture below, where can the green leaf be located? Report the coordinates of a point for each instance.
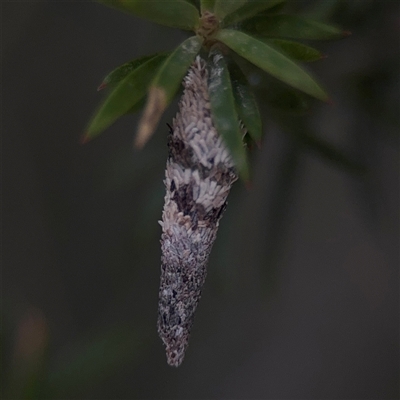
(223, 110)
(207, 5)
(196, 3)
(271, 61)
(292, 26)
(223, 7)
(124, 96)
(246, 103)
(174, 13)
(121, 72)
(138, 106)
(164, 86)
(297, 51)
(277, 8)
(248, 10)
(171, 73)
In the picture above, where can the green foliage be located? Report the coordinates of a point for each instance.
(174, 13)
(125, 95)
(225, 117)
(246, 103)
(295, 50)
(271, 61)
(105, 359)
(257, 33)
(223, 7)
(171, 73)
(292, 26)
(121, 72)
(250, 9)
(165, 85)
(207, 5)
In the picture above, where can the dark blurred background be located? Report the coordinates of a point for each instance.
(302, 295)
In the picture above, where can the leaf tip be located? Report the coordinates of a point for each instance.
(102, 86)
(244, 172)
(325, 97)
(85, 138)
(155, 107)
(139, 140)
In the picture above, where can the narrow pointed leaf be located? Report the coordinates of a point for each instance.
(165, 85)
(124, 97)
(121, 72)
(223, 7)
(292, 26)
(174, 13)
(196, 3)
(277, 8)
(223, 109)
(246, 103)
(271, 61)
(207, 5)
(297, 51)
(138, 106)
(248, 10)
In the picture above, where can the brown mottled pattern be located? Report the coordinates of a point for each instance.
(198, 177)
